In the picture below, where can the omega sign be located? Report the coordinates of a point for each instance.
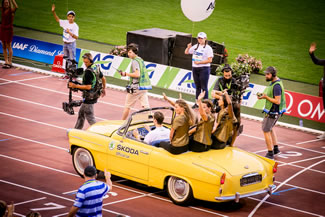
(305, 106)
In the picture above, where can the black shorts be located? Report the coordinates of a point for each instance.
(269, 122)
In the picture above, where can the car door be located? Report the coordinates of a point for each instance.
(129, 158)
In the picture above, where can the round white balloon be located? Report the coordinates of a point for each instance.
(197, 10)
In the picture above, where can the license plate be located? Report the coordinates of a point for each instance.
(250, 179)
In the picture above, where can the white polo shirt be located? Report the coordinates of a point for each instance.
(160, 133)
(202, 53)
(73, 28)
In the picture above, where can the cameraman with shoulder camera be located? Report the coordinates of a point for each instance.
(88, 85)
(139, 82)
(227, 82)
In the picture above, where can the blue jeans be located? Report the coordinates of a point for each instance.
(201, 78)
(69, 50)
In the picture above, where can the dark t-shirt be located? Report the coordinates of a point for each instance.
(225, 84)
(88, 80)
(277, 91)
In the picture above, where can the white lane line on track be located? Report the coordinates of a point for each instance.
(285, 144)
(258, 138)
(290, 208)
(299, 161)
(38, 122)
(40, 104)
(131, 190)
(34, 141)
(27, 79)
(29, 201)
(279, 186)
(314, 140)
(68, 173)
(49, 194)
(67, 93)
(302, 188)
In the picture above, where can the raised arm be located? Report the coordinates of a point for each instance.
(15, 6)
(230, 110)
(57, 19)
(203, 114)
(168, 100)
(313, 57)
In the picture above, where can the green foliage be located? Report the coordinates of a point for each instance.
(277, 32)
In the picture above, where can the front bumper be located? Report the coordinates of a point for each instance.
(237, 196)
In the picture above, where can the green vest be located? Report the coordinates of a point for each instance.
(144, 80)
(269, 93)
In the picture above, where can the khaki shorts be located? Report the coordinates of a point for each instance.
(269, 122)
(140, 95)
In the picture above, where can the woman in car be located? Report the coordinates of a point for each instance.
(201, 140)
(224, 128)
(179, 137)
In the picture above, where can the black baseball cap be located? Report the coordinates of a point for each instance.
(271, 70)
(226, 68)
(90, 171)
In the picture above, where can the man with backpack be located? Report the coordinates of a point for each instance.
(93, 86)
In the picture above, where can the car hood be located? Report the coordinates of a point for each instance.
(235, 161)
(105, 127)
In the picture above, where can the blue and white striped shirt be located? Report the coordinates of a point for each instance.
(89, 198)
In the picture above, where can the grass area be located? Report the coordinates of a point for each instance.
(277, 32)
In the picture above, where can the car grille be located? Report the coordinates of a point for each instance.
(250, 179)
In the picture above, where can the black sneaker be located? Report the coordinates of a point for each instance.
(268, 155)
(195, 106)
(276, 151)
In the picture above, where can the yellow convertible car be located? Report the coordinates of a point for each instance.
(215, 175)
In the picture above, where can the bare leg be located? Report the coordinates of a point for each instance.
(274, 138)
(268, 140)
(10, 53)
(5, 52)
(125, 113)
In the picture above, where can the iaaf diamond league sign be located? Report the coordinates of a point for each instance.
(36, 50)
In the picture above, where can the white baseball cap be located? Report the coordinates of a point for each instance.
(202, 35)
(71, 12)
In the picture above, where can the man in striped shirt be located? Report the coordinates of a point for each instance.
(89, 198)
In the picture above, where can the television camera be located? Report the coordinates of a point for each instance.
(73, 72)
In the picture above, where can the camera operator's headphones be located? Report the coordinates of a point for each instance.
(89, 57)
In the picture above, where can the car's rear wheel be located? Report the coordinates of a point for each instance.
(179, 191)
(81, 159)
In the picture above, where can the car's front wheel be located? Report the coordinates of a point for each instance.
(179, 191)
(81, 159)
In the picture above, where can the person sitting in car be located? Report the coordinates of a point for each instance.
(179, 137)
(159, 134)
(201, 140)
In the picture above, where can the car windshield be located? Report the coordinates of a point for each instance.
(146, 116)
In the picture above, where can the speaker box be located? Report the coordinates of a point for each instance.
(155, 45)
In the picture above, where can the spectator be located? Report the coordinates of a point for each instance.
(202, 132)
(139, 82)
(224, 128)
(33, 214)
(160, 133)
(320, 62)
(70, 34)
(89, 198)
(179, 137)
(201, 59)
(8, 9)
(6, 210)
(275, 106)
